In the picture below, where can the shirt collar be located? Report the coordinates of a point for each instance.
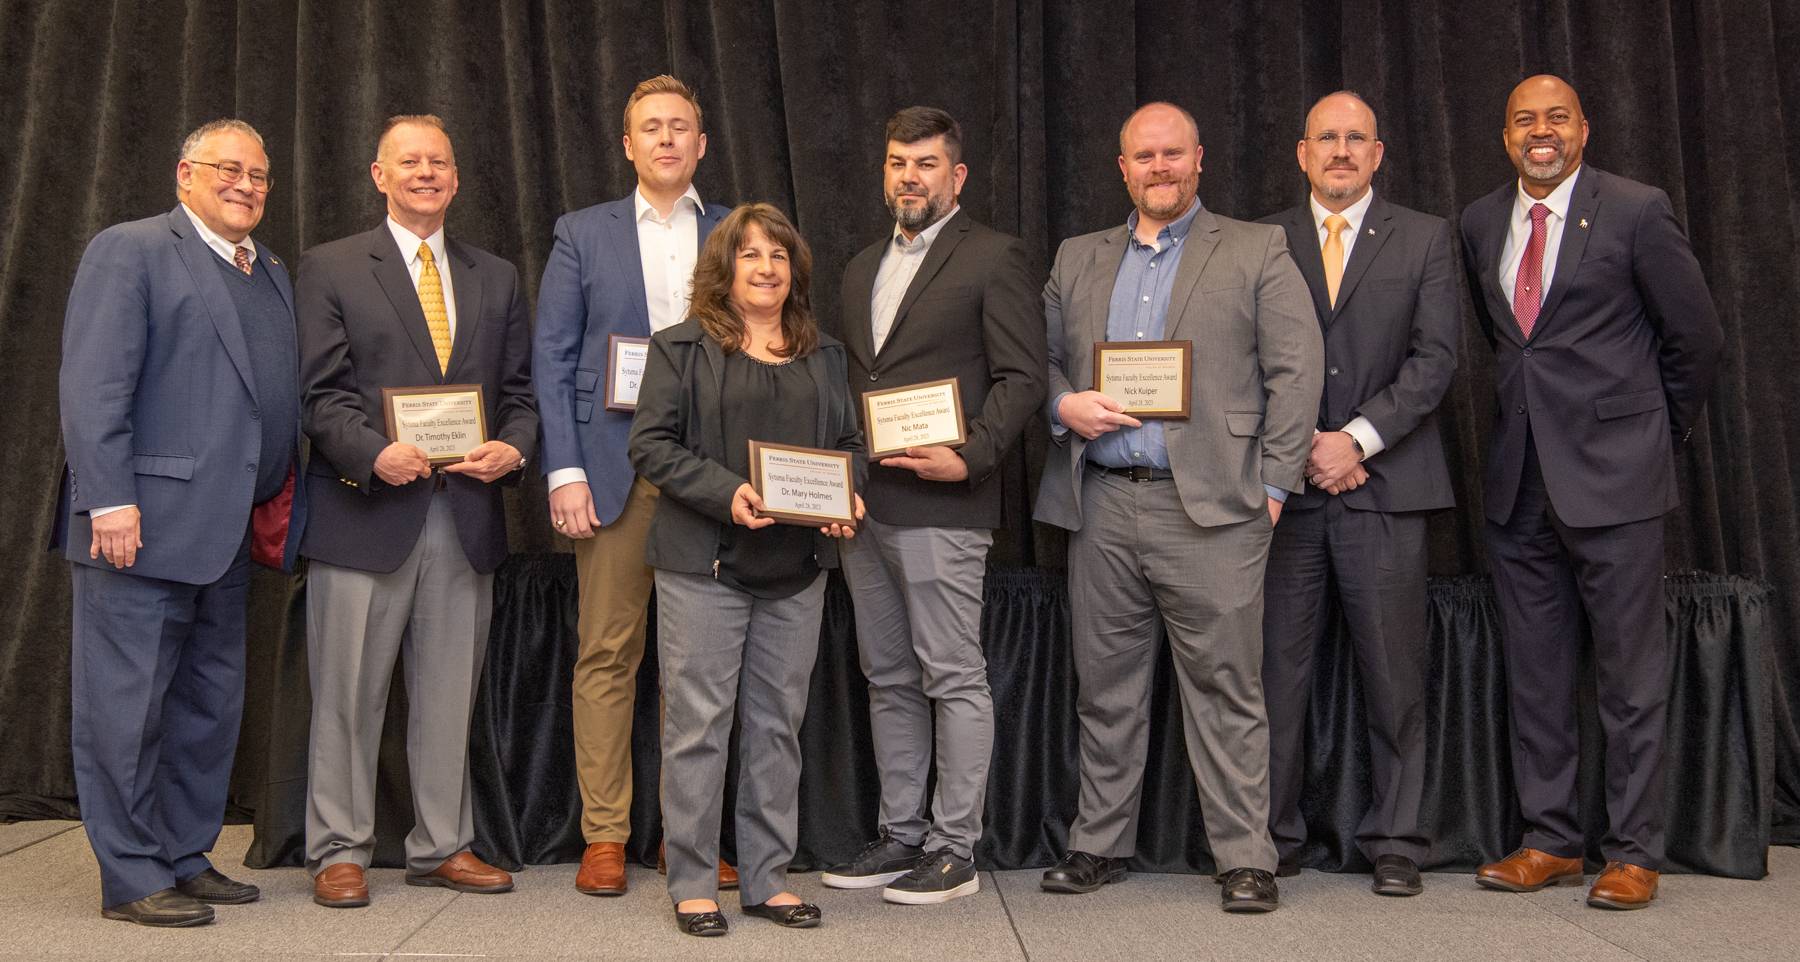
(1354, 214)
(220, 245)
(1175, 231)
(926, 236)
(408, 242)
(643, 208)
(1558, 201)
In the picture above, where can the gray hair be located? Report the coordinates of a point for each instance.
(193, 140)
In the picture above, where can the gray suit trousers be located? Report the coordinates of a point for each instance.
(1139, 555)
(917, 592)
(722, 651)
(433, 611)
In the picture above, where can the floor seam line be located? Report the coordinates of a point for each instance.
(1010, 921)
(420, 927)
(1576, 924)
(21, 848)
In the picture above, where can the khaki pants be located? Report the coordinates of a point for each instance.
(615, 591)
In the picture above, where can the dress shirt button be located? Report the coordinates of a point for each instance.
(1146, 298)
(1332, 372)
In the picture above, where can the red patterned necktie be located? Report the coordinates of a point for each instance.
(241, 257)
(1528, 287)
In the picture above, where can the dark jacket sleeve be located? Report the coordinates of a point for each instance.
(1431, 355)
(331, 407)
(517, 420)
(1012, 334)
(656, 449)
(1680, 308)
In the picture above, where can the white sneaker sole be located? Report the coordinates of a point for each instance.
(932, 898)
(858, 881)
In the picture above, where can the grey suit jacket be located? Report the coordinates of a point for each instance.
(1258, 366)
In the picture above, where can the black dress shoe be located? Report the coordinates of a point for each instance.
(1282, 870)
(213, 887)
(1249, 890)
(1396, 875)
(1079, 873)
(701, 923)
(165, 909)
(805, 915)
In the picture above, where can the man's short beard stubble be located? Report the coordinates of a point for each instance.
(916, 219)
(1549, 171)
(1184, 198)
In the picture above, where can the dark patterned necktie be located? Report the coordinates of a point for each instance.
(241, 257)
(1528, 287)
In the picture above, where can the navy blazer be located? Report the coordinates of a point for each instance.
(1390, 349)
(159, 403)
(593, 287)
(362, 329)
(1621, 357)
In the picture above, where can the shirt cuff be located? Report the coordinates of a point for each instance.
(1057, 428)
(1365, 435)
(562, 476)
(109, 509)
(1276, 493)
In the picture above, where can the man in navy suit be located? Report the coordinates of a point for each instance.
(1605, 340)
(181, 420)
(619, 268)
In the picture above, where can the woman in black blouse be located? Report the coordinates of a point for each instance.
(738, 596)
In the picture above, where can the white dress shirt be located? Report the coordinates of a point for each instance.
(1359, 427)
(668, 247)
(1513, 254)
(899, 265)
(408, 243)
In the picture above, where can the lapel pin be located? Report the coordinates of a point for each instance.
(1371, 232)
(1584, 223)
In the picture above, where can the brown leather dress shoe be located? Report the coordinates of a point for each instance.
(1623, 886)
(728, 876)
(1528, 870)
(464, 872)
(602, 869)
(341, 886)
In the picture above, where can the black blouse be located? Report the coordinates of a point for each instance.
(775, 403)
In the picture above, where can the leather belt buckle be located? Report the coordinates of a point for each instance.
(1140, 474)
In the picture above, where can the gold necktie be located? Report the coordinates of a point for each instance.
(1332, 253)
(431, 298)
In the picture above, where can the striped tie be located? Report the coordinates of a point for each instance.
(241, 257)
(431, 298)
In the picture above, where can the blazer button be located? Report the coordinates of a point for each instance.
(873, 376)
(251, 466)
(1332, 372)
(1519, 410)
(255, 415)
(1528, 352)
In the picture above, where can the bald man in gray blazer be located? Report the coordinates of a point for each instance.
(1172, 518)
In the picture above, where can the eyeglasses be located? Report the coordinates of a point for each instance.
(1355, 139)
(231, 173)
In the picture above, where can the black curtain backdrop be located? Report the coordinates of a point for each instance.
(1700, 98)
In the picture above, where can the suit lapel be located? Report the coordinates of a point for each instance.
(389, 267)
(859, 289)
(1096, 299)
(1303, 244)
(219, 306)
(622, 226)
(946, 241)
(466, 283)
(1375, 231)
(1493, 236)
(1584, 206)
(1202, 240)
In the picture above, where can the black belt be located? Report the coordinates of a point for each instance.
(1137, 472)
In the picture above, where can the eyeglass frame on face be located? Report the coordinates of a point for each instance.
(231, 172)
(1354, 140)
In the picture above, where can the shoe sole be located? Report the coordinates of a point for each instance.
(877, 880)
(932, 898)
(342, 903)
(601, 890)
(220, 900)
(1398, 890)
(428, 881)
(1501, 885)
(1617, 906)
(1073, 888)
(1250, 906)
(155, 924)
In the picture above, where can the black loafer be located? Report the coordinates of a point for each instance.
(165, 909)
(1396, 875)
(701, 923)
(211, 886)
(1249, 890)
(804, 915)
(1079, 873)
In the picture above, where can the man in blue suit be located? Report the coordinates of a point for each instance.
(181, 420)
(619, 268)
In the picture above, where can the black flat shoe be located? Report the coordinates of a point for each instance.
(701, 923)
(165, 909)
(1079, 873)
(212, 887)
(805, 915)
(1249, 890)
(1396, 875)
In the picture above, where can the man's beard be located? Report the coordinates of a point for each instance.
(915, 219)
(1340, 191)
(1184, 197)
(1548, 171)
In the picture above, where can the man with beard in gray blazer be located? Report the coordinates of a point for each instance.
(1172, 518)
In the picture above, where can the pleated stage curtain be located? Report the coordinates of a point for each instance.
(1720, 774)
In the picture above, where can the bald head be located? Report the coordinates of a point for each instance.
(1342, 103)
(1545, 132)
(1339, 153)
(1159, 113)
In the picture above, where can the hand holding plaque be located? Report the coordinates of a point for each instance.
(806, 486)
(446, 421)
(1149, 378)
(915, 416)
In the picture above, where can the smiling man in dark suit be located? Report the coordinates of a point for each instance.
(1383, 282)
(941, 296)
(403, 553)
(1605, 339)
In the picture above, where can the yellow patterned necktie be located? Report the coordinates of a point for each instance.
(431, 298)
(1332, 254)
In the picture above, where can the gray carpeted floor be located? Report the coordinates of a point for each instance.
(49, 911)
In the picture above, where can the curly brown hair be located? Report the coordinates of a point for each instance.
(717, 268)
